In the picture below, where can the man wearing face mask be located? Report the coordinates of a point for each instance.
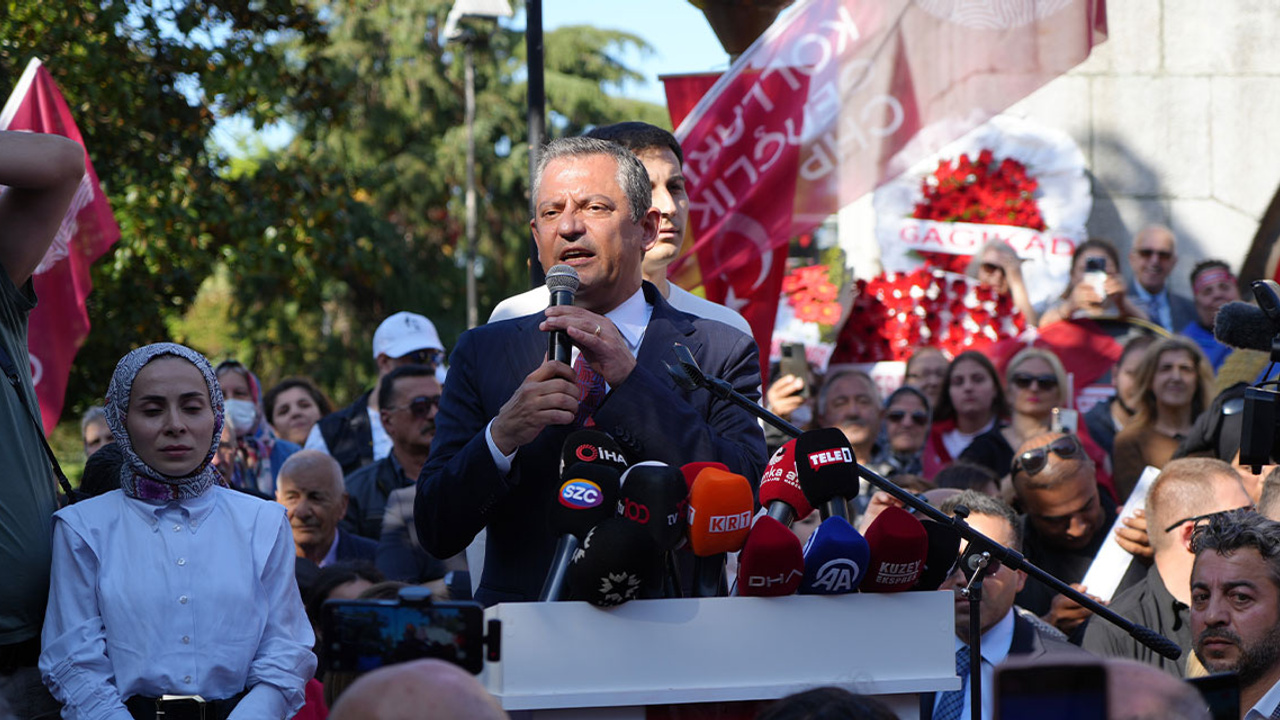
(258, 454)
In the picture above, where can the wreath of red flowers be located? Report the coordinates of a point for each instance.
(812, 294)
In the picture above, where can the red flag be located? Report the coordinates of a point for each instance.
(841, 95)
(60, 323)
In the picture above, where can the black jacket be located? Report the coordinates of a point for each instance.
(348, 435)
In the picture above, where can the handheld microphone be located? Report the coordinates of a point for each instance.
(827, 471)
(594, 448)
(617, 561)
(772, 562)
(691, 470)
(587, 495)
(562, 281)
(720, 508)
(780, 490)
(899, 545)
(944, 546)
(653, 496)
(835, 559)
(1242, 325)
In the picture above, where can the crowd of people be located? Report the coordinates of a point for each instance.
(214, 518)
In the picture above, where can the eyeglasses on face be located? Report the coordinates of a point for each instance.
(1034, 460)
(1023, 381)
(1198, 520)
(919, 417)
(420, 406)
(1148, 253)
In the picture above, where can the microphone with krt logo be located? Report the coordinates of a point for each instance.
(562, 281)
(654, 496)
(899, 545)
(827, 471)
(771, 563)
(592, 447)
(780, 487)
(588, 494)
(617, 561)
(720, 507)
(835, 559)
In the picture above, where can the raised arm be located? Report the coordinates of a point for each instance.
(42, 173)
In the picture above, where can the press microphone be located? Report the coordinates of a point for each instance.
(562, 281)
(616, 562)
(780, 487)
(827, 471)
(944, 546)
(691, 470)
(899, 545)
(653, 496)
(588, 494)
(772, 562)
(594, 448)
(720, 507)
(835, 559)
(1242, 325)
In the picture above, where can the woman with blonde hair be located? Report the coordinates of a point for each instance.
(1176, 385)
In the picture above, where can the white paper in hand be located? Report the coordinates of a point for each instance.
(1111, 562)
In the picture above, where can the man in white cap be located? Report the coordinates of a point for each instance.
(354, 435)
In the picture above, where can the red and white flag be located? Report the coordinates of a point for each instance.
(839, 96)
(59, 324)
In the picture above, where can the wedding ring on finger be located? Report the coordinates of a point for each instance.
(597, 332)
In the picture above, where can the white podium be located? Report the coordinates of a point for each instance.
(573, 660)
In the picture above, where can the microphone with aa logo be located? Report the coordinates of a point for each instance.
(780, 487)
(562, 281)
(899, 546)
(835, 559)
(772, 562)
(592, 447)
(587, 495)
(827, 471)
(720, 507)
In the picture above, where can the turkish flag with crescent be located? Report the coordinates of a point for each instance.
(839, 96)
(59, 324)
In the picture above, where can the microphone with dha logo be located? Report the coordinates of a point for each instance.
(771, 563)
(587, 495)
(899, 545)
(720, 508)
(827, 471)
(835, 559)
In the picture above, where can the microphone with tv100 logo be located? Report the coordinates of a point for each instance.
(562, 281)
(827, 471)
(721, 504)
(771, 563)
(617, 562)
(655, 497)
(899, 545)
(594, 448)
(780, 487)
(835, 559)
(586, 495)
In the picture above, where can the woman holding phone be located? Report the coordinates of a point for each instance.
(1096, 287)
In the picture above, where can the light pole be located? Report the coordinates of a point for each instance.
(489, 10)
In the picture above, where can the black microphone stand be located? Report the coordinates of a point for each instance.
(689, 376)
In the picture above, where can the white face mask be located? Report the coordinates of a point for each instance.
(242, 414)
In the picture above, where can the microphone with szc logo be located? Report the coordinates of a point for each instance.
(592, 447)
(720, 508)
(827, 470)
(586, 495)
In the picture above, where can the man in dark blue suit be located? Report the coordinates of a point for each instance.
(310, 487)
(507, 409)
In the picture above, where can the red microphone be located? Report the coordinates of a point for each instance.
(772, 561)
(780, 488)
(692, 469)
(899, 545)
(720, 507)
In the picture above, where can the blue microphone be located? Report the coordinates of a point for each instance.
(835, 559)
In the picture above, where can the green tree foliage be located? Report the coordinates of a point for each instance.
(359, 216)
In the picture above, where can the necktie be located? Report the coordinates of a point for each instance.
(591, 392)
(1155, 308)
(952, 702)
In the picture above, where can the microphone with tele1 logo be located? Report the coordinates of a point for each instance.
(587, 495)
(827, 471)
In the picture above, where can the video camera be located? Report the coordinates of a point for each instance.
(363, 635)
(1259, 433)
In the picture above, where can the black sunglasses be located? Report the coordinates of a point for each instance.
(424, 357)
(1034, 460)
(919, 417)
(420, 406)
(1198, 520)
(1146, 253)
(1023, 381)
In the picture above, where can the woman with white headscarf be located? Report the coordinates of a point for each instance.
(173, 585)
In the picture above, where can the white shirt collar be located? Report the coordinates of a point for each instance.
(631, 318)
(331, 557)
(997, 641)
(1266, 706)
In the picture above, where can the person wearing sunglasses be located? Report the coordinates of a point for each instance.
(1037, 383)
(1067, 519)
(972, 403)
(1175, 385)
(1153, 257)
(1187, 494)
(998, 267)
(906, 426)
(407, 401)
(354, 435)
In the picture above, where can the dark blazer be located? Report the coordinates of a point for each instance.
(461, 491)
(353, 547)
(1028, 642)
(348, 436)
(1182, 309)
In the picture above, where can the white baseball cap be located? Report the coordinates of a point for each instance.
(404, 333)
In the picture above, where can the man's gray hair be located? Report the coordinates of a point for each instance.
(983, 504)
(843, 372)
(631, 177)
(1229, 531)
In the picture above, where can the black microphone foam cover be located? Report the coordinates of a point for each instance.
(654, 496)
(616, 563)
(825, 466)
(1242, 325)
(944, 547)
(594, 448)
(588, 494)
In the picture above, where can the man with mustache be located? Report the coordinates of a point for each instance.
(407, 401)
(309, 486)
(1235, 605)
(850, 400)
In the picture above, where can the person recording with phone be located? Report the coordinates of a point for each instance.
(1096, 287)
